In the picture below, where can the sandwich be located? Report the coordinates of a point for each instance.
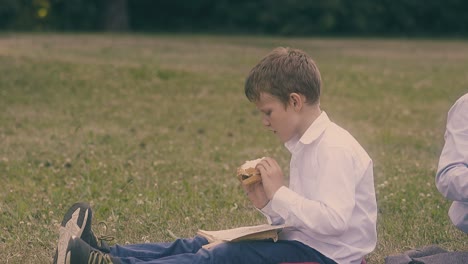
(248, 174)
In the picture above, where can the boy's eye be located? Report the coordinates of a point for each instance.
(268, 113)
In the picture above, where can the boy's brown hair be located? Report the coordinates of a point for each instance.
(282, 72)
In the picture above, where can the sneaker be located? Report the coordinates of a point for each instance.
(77, 222)
(78, 252)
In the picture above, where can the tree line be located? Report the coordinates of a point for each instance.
(277, 17)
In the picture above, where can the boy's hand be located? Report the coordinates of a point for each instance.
(272, 176)
(256, 194)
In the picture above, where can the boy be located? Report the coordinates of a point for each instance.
(329, 205)
(452, 174)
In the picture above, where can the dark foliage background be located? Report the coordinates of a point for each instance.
(282, 17)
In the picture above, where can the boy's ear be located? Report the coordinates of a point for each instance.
(296, 101)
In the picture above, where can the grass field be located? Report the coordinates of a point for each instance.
(150, 130)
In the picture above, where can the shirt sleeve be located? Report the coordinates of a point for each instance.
(272, 217)
(452, 172)
(336, 189)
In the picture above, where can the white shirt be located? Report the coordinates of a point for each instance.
(330, 203)
(452, 174)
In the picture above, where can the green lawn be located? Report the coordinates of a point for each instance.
(150, 129)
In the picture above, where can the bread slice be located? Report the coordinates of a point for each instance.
(247, 174)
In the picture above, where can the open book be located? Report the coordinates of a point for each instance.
(257, 232)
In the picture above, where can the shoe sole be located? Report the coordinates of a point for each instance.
(67, 256)
(70, 227)
(67, 259)
(70, 245)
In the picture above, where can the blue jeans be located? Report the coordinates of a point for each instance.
(183, 251)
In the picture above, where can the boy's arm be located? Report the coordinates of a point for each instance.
(272, 178)
(256, 194)
(272, 217)
(452, 173)
(334, 191)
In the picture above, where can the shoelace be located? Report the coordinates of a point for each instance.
(104, 238)
(96, 257)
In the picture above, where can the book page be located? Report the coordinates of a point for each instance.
(235, 233)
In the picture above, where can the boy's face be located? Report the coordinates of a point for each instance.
(276, 117)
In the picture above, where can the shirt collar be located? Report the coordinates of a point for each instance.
(312, 133)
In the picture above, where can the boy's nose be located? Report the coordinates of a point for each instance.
(265, 122)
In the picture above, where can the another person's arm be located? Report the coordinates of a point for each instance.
(452, 173)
